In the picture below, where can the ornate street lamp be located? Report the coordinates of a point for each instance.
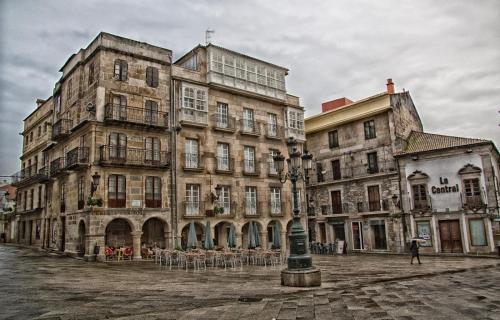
(95, 182)
(300, 271)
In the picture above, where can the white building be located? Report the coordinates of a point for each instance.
(450, 188)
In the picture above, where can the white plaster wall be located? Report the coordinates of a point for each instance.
(445, 168)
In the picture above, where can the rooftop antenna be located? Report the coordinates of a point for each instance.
(208, 35)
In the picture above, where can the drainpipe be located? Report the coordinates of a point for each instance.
(173, 163)
(403, 214)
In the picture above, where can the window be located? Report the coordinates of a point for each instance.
(116, 191)
(248, 120)
(272, 167)
(192, 199)
(191, 63)
(91, 72)
(272, 125)
(275, 200)
(378, 229)
(57, 103)
(189, 98)
(336, 173)
(153, 192)
(424, 232)
(333, 139)
(319, 172)
(31, 136)
(249, 162)
(152, 77)
(296, 119)
(117, 146)
(39, 204)
(222, 115)
(121, 70)
(32, 199)
(336, 201)
(251, 200)
(151, 112)
(223, 156)
(229, 65)
(225, 199)
(194, 103)
(191, 155)
(39, 131)
(477, 234)
(251, 72)
(357, 235)
(81, 193)
(63, 197)
(240, 68)
(373, 198)
(369, 129)
(217, 61)
(372, 162)
(25, 206)
(152, 146)
(419, 196)
(119, 110)
(471, 187)
(35, 165)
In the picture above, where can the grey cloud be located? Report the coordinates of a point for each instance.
(446, 53)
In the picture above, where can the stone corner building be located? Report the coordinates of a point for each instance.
(354, 189)
(161, 136)
(450, 188)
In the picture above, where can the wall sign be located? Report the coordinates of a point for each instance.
(444, 188)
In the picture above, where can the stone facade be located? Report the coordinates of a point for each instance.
(124, 113)
(353, 193)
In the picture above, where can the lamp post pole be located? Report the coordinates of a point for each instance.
(300, 271)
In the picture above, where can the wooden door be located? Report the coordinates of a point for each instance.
(451, 240)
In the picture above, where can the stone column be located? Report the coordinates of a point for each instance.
(239, 241)
(136, 243)
(283, 242)
(263, 240)
(168, 243)
(90, 242)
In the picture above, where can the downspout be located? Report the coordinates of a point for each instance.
(173, 163)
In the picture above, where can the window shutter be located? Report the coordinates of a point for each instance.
(149, 76)
(155, 77)
(124, 71)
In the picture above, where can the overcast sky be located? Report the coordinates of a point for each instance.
(447, 54)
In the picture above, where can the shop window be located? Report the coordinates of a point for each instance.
(424, 232)
(477, 232)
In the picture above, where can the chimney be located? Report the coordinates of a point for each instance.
(390, 86)
(337, 103)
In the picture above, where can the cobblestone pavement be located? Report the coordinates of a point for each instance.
(37, 285)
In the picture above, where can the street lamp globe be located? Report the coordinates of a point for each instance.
(291, 144)
(279, 161)
(307, 160)
(95, 179)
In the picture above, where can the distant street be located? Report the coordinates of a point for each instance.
(36, 285)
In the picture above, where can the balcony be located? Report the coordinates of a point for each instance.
(229, 210)
(57, 166)
(422, 205)
(474, 202)
(298, 134)
(274, 131)
(61, 129)
(224, 165)
(252, 209)
(276, 208)
(193, 210)
(192, 162)
(137, 116)
(77, 158)
(193, 117)
(143, 158)
(352, 172)
(335, 209)
(30, 174)
(250, 168)
(249, 127)
(223, 123)
(373, 206)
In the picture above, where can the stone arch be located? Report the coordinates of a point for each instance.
(221, 233)
(155, 232)
(119, 233)
(82, 231)
(199, 228)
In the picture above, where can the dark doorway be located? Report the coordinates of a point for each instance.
(63, 234)
(339, 231)
(451, 240)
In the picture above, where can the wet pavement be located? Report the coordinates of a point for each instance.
(37, 285)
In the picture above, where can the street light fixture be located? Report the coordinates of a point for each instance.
(300, 271)
(95, 182)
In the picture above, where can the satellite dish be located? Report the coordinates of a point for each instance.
(90, 107)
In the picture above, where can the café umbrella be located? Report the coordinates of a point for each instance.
(209, 242)
(251, 236)
(231, 240)
(277, 236)
(192, 240)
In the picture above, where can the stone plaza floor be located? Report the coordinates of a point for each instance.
(38, 285)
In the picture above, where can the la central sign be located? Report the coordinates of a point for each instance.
(445, 188)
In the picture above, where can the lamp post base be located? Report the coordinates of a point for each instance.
(301, 278)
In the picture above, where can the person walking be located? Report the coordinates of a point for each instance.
(414, 251)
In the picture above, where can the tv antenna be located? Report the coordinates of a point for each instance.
(208, 35)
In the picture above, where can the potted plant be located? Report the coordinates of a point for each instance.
(94, 201)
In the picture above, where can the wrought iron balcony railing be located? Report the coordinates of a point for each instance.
(223, 122)
(78, 156)
(249, 127)
(140, 116)
(121, 156)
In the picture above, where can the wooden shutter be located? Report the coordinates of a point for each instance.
(121, 191)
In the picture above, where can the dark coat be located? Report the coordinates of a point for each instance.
(414, 249)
